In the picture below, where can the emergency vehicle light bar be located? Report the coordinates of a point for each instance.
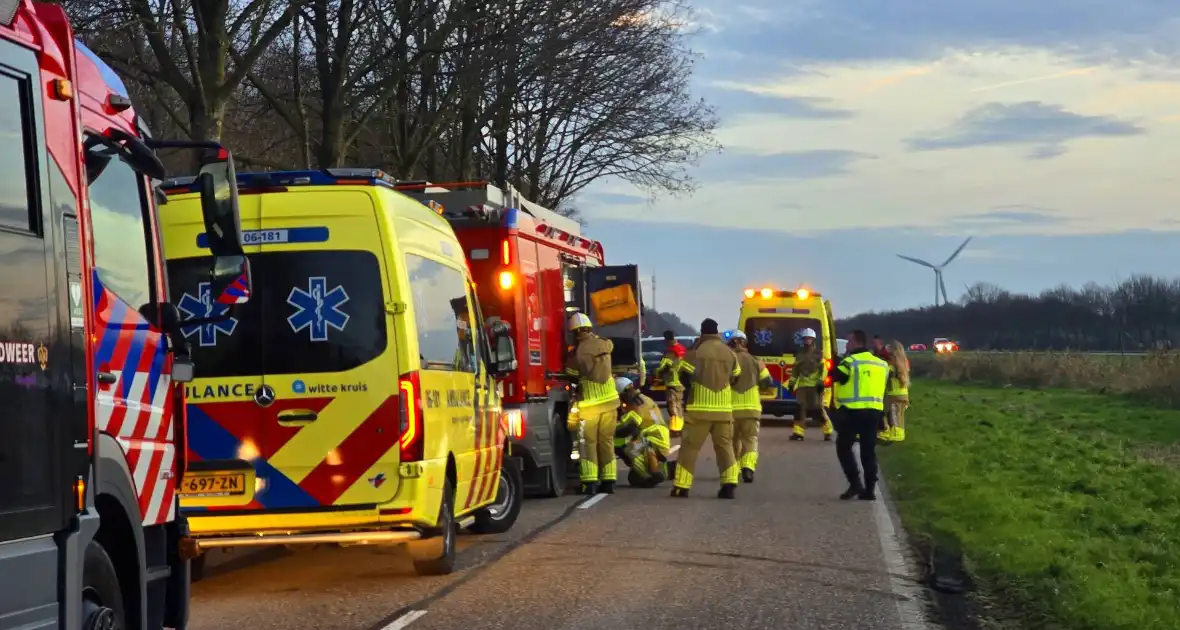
(767, 293)
(277, 179)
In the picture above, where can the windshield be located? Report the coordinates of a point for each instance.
(776, 336)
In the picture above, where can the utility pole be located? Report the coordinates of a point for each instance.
(653, 292)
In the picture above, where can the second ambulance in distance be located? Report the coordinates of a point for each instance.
(353, 400)
(772, 319)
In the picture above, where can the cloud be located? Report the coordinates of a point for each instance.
(741, 165)
(1012, 214)
(1029, 122)
(732, 96)
(614, 198)
(856, 30)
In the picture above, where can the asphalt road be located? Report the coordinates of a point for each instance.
(785, 554)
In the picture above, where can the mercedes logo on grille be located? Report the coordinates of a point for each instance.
(264, 396)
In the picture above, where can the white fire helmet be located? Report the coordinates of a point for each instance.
(579, 320)
(622, 383)
(807, 332)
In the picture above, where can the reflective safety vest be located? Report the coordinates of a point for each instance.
(670, 365)
(867, 377)
(592, 365)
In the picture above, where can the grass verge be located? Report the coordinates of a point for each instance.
(1064, 504)
(1152, 378)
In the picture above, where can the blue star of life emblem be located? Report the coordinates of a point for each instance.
(201, 306)
(763, 336)
(317, 308)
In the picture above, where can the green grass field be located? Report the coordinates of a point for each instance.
(1065, 504)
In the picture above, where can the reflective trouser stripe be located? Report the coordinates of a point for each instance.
(749, 460)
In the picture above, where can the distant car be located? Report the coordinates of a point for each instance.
(653, 350)
(942, 344)
(918, 347)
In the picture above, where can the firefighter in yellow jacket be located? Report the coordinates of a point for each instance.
(711, 368)
(807, 382)
(642, 440)
(747, 404)
(598, 406)
(669, 370)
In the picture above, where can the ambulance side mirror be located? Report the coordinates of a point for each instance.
(504, 353)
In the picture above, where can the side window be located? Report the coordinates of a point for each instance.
(441, 315)
(121, 236)
(17, 179)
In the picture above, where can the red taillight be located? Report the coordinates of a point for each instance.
(410, 418)
(827, 370)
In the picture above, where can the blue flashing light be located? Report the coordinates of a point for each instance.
(114, 83)
(290, 179)
(512, 218)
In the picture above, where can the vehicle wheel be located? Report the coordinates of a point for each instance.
(102, 599)
(559, 469)
(501, 515)
(196, 568)
(435, 554)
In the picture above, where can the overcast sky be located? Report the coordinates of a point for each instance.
(855, 130)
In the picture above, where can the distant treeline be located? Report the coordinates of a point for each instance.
(1140, 313)
(655, 323)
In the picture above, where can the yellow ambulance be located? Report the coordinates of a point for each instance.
(772, 320)
(353, 399)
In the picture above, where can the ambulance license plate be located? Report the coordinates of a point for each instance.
(216, 485)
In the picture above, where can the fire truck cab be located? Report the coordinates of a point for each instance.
(532, 268)
(90, 350)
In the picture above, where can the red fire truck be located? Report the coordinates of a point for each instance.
(91, 354)
(532, 268)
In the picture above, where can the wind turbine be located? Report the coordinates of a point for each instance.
(938, 284)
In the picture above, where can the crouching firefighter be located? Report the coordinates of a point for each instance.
(598, 406)
(642, 440)
(747, 404)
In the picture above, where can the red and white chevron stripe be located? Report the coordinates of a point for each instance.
(142, 424)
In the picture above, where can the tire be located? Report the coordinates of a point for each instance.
(501, 515)
(436, 553)
(558, 471)
(197, 568)
(102, 597)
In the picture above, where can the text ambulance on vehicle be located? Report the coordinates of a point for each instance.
(353, 401)
(91, 357)
(772, 320)
(532, 269)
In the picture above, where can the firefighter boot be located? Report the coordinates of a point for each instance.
(855, 489)
(606, 487)
(748, 475)
(727, 491)
(588, 488)
(679, 493)
(797, 431)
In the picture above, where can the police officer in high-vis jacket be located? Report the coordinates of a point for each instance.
(711, 368)
(747, 404)
(598, 406)
(859, 381)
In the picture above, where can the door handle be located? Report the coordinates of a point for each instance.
(297, 416)
(107, 377)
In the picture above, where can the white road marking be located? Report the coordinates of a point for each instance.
(589, 503)
(902, 577)
(405, 620)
